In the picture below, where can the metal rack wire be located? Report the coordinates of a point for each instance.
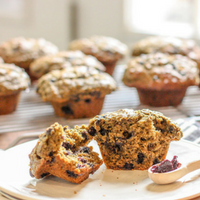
(34, 114)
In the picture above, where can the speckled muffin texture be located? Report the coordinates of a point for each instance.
(161, 79)
(63, 60)
(62, 152)
(13, 80)
(107, 50)
(23, 51)
(170, 45)
(133, 139)
(77, 92)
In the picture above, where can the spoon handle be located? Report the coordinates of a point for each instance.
(193, 166)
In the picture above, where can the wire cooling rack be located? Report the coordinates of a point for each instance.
(32, 113)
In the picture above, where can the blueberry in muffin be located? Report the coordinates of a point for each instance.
(62, 152)
(161, 79)
(133, 139)
(76, 92)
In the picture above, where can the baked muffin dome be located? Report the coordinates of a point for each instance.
(170, 45)
(162, 74)
(107, 50)
(13, 80)
(22, 51)
(62, 60)
(76, 92)
(133, 139)
(160, 70)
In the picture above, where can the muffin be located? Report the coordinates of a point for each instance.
(170, 45)
(133, 139)
(76, 92)
(107, 50)
(23, 51)
(62, 60)
(161, 79)
(62, 152)
(13, 80)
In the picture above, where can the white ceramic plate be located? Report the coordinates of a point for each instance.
(104, 184)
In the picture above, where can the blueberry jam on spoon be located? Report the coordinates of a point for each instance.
(170, 171)
(166, 166)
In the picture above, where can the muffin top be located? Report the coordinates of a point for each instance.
(161, 71)
(133, 139)
(22, 49)
(12, 78)
(169, 45)
(62, 85)
(129, 123)
(105, 49)
(62, 60)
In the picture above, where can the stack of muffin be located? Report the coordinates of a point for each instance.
(74, 81)
(162, 68)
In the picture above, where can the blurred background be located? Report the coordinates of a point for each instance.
(61, 21)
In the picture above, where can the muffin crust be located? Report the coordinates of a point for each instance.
(62, 152)
(62, 85)
(22, 51)
(161, 72)
(105, 49)
(63, 60)
(133, 139)
(12, 79)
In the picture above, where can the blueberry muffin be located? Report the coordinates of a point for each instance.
(161, 79)
(170, 45)
(62, 60)
(13, 80)
(133, 139)
(23, 51)
(62, 152)
(76, 92)
(107, 50)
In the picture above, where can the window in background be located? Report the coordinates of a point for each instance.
(163, 17)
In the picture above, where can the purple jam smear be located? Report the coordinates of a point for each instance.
(166, 166)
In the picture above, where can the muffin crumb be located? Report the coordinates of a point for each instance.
(62, 152)
(133, 139)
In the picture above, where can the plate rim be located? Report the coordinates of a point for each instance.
(30, 197)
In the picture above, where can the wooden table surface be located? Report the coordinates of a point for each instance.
(8, 138)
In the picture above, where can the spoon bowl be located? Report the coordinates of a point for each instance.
(172, 176)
